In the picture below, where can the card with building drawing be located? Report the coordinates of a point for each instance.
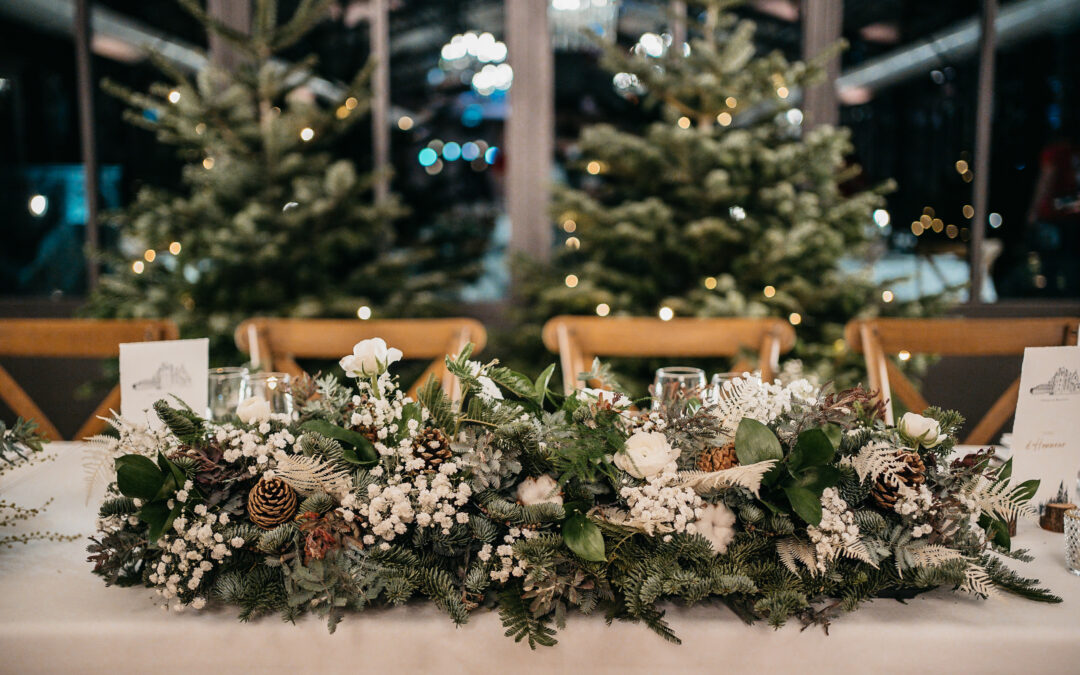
(1046, 434)
(155, 370)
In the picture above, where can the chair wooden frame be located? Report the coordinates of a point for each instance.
(579, 339)
(71, 338)
(876, 339)
(279, 342)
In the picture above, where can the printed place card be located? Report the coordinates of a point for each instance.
(150, 371)
(1046, 434)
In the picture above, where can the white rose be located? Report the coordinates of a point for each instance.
(717, 524)
(604, 396)
(539, 490)
(369, 358)
(922, 430)
(646, 453)
(254, 409)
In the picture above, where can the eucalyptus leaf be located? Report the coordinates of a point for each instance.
(815, 478)
(805, 503)
(755, 442)
(138, 477)
(540, 387)
(583, 537)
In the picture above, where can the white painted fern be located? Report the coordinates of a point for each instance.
(978, 582)
(308, 474)
(101, 451)
(995, 499)
(878, 459)
(792, 551)
(748, 476)
(922, 554)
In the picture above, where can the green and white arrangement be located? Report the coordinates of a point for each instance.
(780, 500)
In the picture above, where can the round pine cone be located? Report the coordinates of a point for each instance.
(271, 502)
(717, 458)
(433, 447)
(914, 473)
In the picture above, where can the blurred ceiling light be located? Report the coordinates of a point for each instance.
(781, 9)
(881, 32)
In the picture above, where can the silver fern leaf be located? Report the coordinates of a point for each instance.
(792, 551)
(998, 501)
(308, 474)
(748, 476)
(876, 460)
(978, 582)
(922, 554)
(101, 451)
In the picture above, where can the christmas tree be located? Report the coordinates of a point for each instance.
(267, 221)
(723, 206)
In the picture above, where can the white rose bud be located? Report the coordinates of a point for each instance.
(253, 410)
(369, 358)
(646, 454)
(543, 489)
(717, 524)
(922, 430)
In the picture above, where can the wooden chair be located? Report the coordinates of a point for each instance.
(276, 343)
(579, 339)
(877, 339)
(71, 338)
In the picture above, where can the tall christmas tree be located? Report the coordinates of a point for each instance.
(725, 206)
(267, 220)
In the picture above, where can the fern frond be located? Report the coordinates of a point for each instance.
(996, 500)
(438, 405)
(748, 476)
(520, 623)
(977, 581)
(308, 474)
(792, 551)
(878, 460)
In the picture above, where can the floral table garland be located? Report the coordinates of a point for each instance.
(779, 500)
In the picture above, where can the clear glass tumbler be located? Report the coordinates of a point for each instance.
(720, 387)
(676, 386)
(1072, 540)
(225, 389)
(272, 387)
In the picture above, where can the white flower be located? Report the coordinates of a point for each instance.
(369, 358)
(539, 490)
(253, 409)
(922, 430)
(717, 524)
(646, 453)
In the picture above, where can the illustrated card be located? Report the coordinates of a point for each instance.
(150, 371)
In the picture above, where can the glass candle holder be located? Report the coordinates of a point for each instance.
(1072, 541)
(720, 387)
(272, 387)
(225, 390)
(677, 386)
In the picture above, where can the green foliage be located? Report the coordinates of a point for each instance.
(182, 422)
(519, 620)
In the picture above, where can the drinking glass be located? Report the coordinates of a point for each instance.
(676, 386)
(225, 389)
(272, 387)
(1072, 540)
(720, 387)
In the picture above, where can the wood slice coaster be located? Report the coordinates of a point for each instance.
(1053, 517)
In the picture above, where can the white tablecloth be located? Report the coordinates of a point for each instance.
(57, 617)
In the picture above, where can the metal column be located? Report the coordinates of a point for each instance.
(984, 113)
(380, 96)
(86, 131)
(822, 22)
(530, 134)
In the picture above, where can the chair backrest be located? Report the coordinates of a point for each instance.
(881, 339)
(71, 338)
(277, 343)
(579, 339)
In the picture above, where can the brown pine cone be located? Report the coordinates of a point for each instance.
(433, 446)
(271, 502)
(370, 432)
(885, 492)
(717, 458)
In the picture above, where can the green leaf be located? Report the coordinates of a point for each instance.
(159, 517)
(815, 478)
(1005, 472)
(583, 537)
(805, 503)
(356, 448)
(835, 434)
(813, 448)
(540, 387)
(755, 442)
(410, 411)
(513, 381)
(997, 530)
(138, 477)
(169, 467)
(1026, 491)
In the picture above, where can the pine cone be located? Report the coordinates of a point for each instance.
(885, 492)
(717, 458)
(271, 502)
(434, 447)
(370, 432)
